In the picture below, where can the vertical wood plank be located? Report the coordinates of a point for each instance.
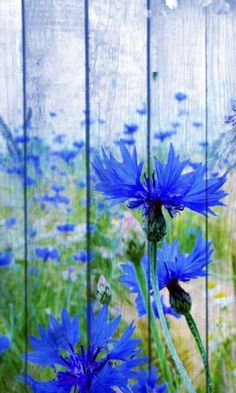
(118, 83)
(11, 195)
(178, 66)
(55, 86)
(118, 96)
(221, 61)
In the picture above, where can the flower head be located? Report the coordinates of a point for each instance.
(66, 228)
(147, 382)
(162, 135)
(82, 256)
(5, 343)
(87, 370)
(172, 265)
(129, 279)
(172, 268)
(46, 253)
(10, 222)
(180, 96)
(130, 128)
(6, 258)
(168, 187)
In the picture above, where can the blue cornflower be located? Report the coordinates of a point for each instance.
(176, 124)
(129, 279)
(5, 343)
(52, 114)
(35, 158)
(147, 382)
(172, 268)
(66, 155)
(82, 256)
(162, 135)
(45, 253)
(78, 144)
(29, 181)
(142, 111)
(66, 228)
(10, 222)
(168, 187)
(21, 139)
(57, 188)
(80, 184)
(197, 124)
(59, 138)
(128, 142)
(106, 364)
(172, 265)
(203, 143)
(130, 128)
(55, 199)
(180, 96)
(101, 121)
(6, 258)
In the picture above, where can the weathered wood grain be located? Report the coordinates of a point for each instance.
(118, 90)
(118, 67)
(12, 291)
(178, 58)
(55, 87)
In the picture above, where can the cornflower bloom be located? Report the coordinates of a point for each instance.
(107, 363)
(168, 187)
(173, 267)
(5, 343)
(129, 279)
(46, 253)
(6, 258)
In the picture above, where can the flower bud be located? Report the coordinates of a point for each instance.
(133, 239)
(104, 294)
(135, 250)
(180, 300)
(155, 224)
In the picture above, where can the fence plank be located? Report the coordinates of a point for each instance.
(221, 63)
(178, 66)
(118, 97)
(55, 87)
(11, 195)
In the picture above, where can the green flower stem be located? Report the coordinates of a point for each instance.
(194, 330)
(158, 344)
(179, 365)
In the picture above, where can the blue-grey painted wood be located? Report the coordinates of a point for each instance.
(118, 68)
(178, 58)
(118, 96)
(11, 194)
(178, 65)
(55, 85)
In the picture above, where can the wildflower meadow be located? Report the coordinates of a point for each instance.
(117, 203)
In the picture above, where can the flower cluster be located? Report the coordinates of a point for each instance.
(107, 363)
